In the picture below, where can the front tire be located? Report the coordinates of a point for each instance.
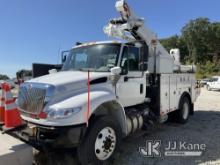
(100, 142)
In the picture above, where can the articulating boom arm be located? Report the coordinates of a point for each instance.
(130, 27)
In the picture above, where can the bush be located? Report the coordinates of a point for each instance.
(207, 70)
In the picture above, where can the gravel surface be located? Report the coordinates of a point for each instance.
(202, 128)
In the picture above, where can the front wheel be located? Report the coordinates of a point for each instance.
(100, 142)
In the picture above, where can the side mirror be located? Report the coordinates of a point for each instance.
(115, 75)
(116, 70)
(64, 55)
(124, 68)
(63, 59)
(143, 66)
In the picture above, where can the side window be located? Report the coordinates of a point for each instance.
(130, 59)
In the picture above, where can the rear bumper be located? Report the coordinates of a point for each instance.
(43, 137)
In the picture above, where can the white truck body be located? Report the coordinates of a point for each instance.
(172, 88)
(111, 86)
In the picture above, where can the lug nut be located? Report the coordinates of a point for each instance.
(97, 151)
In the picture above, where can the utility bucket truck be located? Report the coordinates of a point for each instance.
(106, 91)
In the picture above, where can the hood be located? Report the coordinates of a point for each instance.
(68, 77)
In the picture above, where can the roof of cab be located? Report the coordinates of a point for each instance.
(96, 43)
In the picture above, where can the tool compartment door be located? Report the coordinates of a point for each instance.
(173, 92)
(164, 94)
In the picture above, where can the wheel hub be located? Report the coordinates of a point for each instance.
(105, 143)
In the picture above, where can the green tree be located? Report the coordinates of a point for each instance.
(214, 42)
(199, 43)
(23, 73)
(171, 42)
(3, 77)
(196, 34)
(176, 42)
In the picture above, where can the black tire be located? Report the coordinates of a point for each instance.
(183, 112)
(86, 150)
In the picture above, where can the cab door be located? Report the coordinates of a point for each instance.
(130, 88)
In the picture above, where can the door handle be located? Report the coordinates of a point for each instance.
(131, 77)
(141, 88)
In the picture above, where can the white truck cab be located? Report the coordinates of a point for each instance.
(106, 91)
(214, 83)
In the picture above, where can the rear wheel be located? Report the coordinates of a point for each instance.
(100, 142)
(184, 110)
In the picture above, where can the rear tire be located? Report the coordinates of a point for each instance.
(100, 142)
(184, 110)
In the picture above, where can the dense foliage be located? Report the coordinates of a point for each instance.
(3, 77)
(23, 73)
(199, 43)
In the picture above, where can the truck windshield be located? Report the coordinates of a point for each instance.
(98, 58)
(214, 79)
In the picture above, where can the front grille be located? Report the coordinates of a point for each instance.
(31, 99)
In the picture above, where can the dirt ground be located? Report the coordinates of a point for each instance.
(202, 128)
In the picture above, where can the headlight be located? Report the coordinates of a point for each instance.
(62, 113)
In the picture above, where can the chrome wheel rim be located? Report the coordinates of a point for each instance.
(105, 143)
